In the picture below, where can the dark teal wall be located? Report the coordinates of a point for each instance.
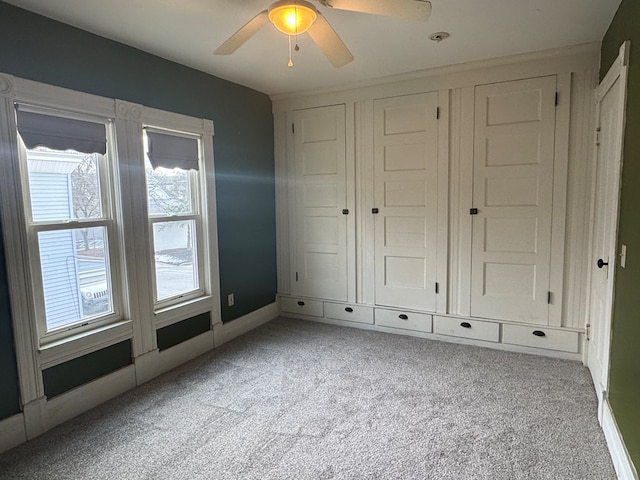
(624, 388)
(65, 376)
(37, 48)
(10, 396)
(176, 333)
(41, 49)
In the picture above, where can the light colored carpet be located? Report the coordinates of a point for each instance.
(300, 400)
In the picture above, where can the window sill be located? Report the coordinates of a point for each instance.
(176, 313)
(81, 344)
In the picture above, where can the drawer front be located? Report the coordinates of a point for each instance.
(351, 313)
(542, 338)
(302, 306)
(405, 320)
(458, 327)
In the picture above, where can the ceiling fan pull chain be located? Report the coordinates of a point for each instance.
(290, 64)
(297, 49)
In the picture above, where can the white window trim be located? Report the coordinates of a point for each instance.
(204, 208)
(138, 320)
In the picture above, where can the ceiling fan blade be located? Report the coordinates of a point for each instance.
(409, 9)
(329, 42)
(236, 40)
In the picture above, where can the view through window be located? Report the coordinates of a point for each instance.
(69, 220)
(172, 198)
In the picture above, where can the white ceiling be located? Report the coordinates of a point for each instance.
(187, 32)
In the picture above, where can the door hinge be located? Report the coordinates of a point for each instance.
(296, 276)
(588, 331)
(438, 113)
(598, 130)
(557, 99)
(437, 288)
(293, 128)
(549, 298)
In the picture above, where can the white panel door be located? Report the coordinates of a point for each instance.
(406, 195)
(513, 191)
(611, 96)
(320, 225)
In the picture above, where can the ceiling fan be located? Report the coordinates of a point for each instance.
(294, 17)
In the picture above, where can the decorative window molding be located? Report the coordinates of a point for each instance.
(123, 215)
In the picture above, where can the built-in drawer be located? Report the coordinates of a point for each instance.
(540, 337)
(302, 306)
(458, 327)
(351, 313)
(406, 320)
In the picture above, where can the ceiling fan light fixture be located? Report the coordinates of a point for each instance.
(292, 18)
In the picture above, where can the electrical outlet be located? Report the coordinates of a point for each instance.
(231, 300)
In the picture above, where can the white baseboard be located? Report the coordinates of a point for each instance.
(225, 332)
(621, 459)
(13, 432)
(35, 416)
(155, 363)
(85, 397)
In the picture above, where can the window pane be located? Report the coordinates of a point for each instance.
(168, 190)
(75, 275)
(63, 185)
(175, 258)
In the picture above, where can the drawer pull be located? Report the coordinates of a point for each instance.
(348, 309)
(402, 316)
(465, 325)
(539, 333)
(301, 303)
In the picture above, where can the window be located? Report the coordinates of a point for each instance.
(175, 221)
(68, 190)
(103, 242)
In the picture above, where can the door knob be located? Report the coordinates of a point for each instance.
(601, 263)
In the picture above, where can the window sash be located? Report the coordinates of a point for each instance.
(82, 325)
(196, 208)
(106, 184)
(199, 268)
(195, 175)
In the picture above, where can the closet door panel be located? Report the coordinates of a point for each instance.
(320, 226)
(405, 194)
(513, 190)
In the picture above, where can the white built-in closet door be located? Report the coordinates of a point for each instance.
(406, 194)
(320, 225)
(512, 190)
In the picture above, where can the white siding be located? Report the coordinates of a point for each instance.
(50, 196)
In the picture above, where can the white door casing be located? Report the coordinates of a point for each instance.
(611, 101)
(320, 263)
(514, 139)
(406, 198)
